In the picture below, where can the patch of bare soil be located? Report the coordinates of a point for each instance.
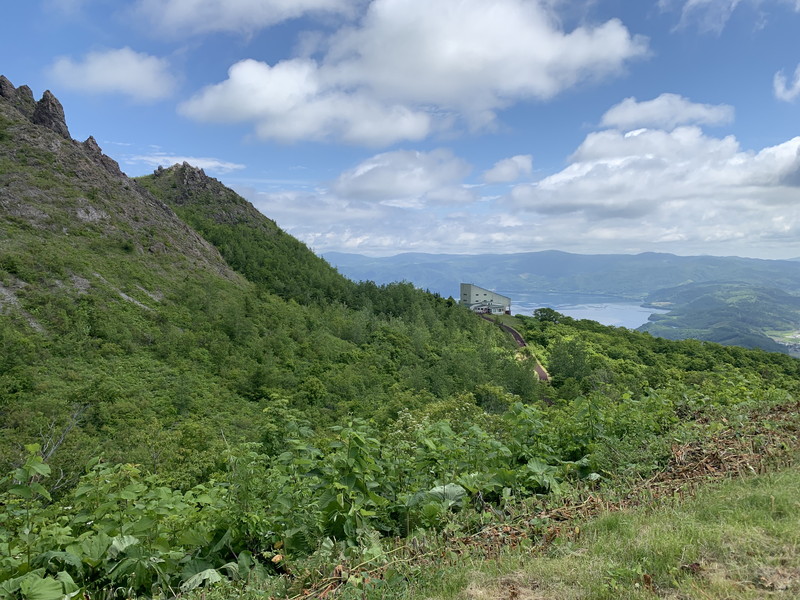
(510, 587)
(779, 579)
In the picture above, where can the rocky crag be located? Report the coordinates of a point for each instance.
(56, 185)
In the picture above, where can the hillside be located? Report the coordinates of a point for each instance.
(126, 332)
(193, 404)
(250, 242)
(726, 313)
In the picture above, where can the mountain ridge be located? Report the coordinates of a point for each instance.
(630, 276)
(161, 331)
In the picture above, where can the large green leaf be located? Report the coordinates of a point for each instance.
(93, 549)
(69, 586)
(121, 543)
(451, 494)
(23, 491)
(34, 588)
(206, 577)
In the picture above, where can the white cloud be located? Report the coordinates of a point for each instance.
(242, 16)
(679, 190)
(665, 112)
(509, 169)
(214, 165)
(287, 102)
(143, 77)
(412, 68)
(407, 178)
(788, 92)
(685, 180)
(711, 16)
(472, 56)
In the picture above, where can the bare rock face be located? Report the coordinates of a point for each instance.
(91, 148)
(7, 89)
(85, 191)
(49, 113)
(21, 97)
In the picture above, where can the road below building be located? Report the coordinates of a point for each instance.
(540, 370)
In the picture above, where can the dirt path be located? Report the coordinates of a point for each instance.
(540, 371)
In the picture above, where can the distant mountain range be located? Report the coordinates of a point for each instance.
(732, 300)
(624, 276)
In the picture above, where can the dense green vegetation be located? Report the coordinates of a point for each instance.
(251, 244)
(181, 411)
(306, 498)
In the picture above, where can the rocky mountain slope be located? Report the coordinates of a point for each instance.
(251, 243)
(68, 190)
(159, 328)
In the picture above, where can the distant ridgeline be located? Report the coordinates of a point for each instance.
(730, 300)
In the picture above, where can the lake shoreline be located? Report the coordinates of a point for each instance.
(608, 310)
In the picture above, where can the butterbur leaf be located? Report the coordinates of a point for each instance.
(93, 549)
(232, 569)
(193, 567)
(121, 543)
(245, 561)
(34, 588)
(10, 587)
(452, 494)
(65, 558)
(69, 587)
(207, 577)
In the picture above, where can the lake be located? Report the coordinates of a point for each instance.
(608, 311)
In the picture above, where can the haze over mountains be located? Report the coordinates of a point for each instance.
(731, 300)
(624, 276)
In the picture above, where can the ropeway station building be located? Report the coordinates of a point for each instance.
(484, 301)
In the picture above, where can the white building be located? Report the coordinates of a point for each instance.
(484, 301)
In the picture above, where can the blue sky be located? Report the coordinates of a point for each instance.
(457, 126)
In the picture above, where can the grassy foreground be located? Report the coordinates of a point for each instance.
(734, 540)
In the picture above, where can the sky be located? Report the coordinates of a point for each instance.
(448, 126)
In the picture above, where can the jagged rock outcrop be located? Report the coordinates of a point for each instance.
(49, 113)
(93, 150)
(191, 185)
(7, 89)
(58, 186)
(21, 98)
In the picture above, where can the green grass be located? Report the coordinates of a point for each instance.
(735, 540)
